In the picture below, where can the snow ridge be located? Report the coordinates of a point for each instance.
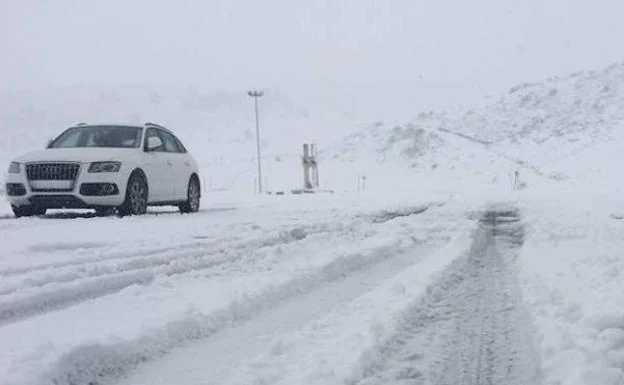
(93, 364)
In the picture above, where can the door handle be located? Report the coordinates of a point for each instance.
(170, 163)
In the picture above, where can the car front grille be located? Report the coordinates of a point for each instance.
(52, 177)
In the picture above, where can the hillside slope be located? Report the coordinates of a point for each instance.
(563, 129)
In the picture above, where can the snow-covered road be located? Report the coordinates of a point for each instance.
(472, 327)
(306, 290)
(87, 300)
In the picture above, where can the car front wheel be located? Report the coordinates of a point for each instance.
(136, 196)
(191, 205)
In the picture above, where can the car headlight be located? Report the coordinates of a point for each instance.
(15, 168)
(105, 167)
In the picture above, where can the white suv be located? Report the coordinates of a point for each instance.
(105, 167)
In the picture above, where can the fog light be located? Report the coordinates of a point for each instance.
(15, 189)
(99, 189)
(107, 189)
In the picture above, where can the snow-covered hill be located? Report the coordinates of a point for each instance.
(568, 128)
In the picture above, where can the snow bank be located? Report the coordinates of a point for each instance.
(573, 281)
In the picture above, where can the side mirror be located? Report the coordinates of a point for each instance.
(49, 143)
(153, 142)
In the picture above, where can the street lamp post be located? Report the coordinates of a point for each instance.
(256, 94)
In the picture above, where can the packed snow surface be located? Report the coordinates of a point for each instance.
(317, 289)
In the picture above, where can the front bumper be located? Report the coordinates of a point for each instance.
(90, 190)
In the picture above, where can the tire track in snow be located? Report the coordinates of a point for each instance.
(61, 289)
(77, 262)
(470, 328)
(72, 290)
(100, 364)
(124, 254)
(120, 262)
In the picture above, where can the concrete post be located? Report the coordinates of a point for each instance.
(306, 166)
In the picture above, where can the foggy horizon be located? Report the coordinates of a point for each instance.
(425, 53)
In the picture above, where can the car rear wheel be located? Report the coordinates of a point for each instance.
(193, 195)
(28, 211)
(136, 196)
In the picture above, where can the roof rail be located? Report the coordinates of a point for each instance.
(80, 124)
(150, 124)
(153, 124)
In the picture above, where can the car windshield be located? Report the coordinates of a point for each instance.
(99, 136)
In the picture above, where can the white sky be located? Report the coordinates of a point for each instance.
(393, 52)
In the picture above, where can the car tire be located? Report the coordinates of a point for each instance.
(193, 195)
(135, 202)
(28, 211)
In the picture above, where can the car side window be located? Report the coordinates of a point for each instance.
(169, 142)
(152, 132)
(180, 145)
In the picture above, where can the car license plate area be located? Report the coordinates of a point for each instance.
(51, 185)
